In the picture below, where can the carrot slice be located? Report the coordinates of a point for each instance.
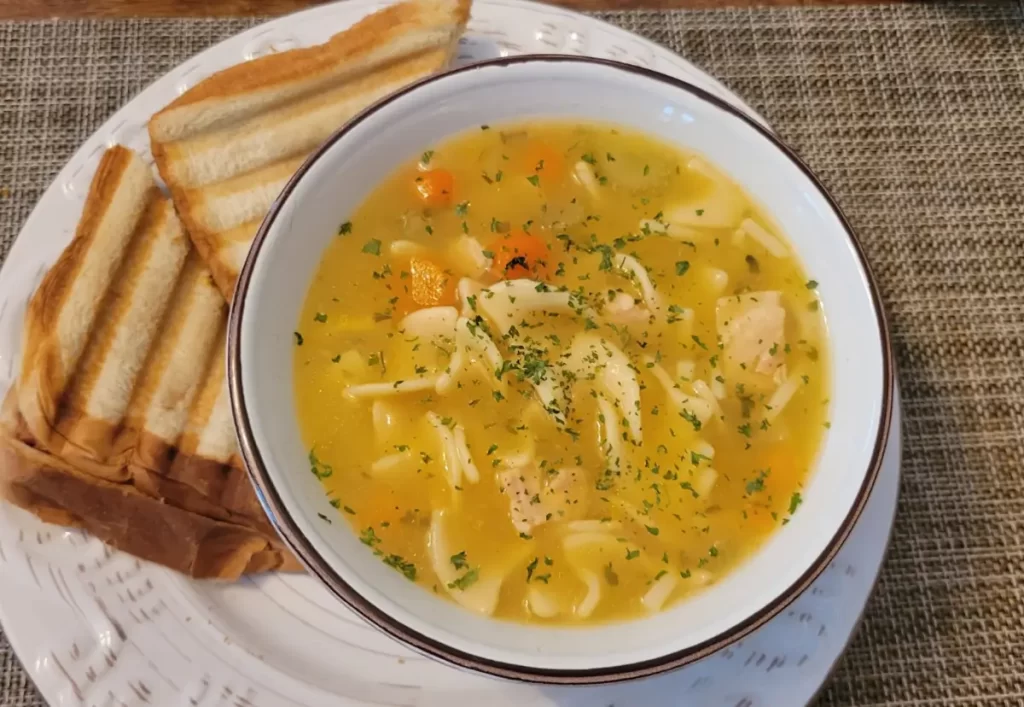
(436, 187)
(543, 160)
(420, 282)
(431, 285)
(519, 254)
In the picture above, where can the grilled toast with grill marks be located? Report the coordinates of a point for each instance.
(227, 146)
(122, 392)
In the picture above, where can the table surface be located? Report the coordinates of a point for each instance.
(911, 114)
(40, 9)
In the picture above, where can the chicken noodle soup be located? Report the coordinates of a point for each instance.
(561, 373)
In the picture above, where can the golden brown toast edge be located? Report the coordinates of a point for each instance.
(363, 59)
(129, 520)
(44, 372)
(166, 440)
(303, 67)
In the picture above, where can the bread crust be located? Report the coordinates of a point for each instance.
(128, 432)
(127, 519)
(227, 146)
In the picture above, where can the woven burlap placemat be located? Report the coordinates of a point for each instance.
(912, 115)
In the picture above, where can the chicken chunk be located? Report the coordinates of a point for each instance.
(752, 329)
(534, 501)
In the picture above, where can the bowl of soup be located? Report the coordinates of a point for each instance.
(560, 370)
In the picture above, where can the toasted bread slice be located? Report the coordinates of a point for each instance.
(227, 146)
(122, 377)
(130, 520)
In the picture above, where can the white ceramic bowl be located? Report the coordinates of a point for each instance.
(332, 184)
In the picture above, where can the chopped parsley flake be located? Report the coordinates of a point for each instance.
(692, 419)
(756, 484)
(369, 538)
(320, 469)
(465, 581)
(400, 564)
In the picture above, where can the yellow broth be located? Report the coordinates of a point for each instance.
(623, 413)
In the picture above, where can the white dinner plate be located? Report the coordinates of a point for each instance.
(97, 627)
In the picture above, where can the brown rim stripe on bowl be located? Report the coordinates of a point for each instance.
(287, 528)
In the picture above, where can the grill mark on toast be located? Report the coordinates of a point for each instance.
(240, 234)
(61, 312)
(186, 346)
(290, 130)
(221, 147)
(261, 84)
(93, 409)
(219, 442)
(225, 205)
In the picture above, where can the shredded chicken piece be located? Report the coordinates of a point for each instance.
(752, 329)
(533, 501)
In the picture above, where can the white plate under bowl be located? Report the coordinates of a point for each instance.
(95, 627)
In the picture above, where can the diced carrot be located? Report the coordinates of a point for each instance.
(519, 254)
(419, 282)
(431, 285)
(436, 187)
(786, 471)
(543, 160)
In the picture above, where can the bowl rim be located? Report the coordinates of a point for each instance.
(285, 525)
